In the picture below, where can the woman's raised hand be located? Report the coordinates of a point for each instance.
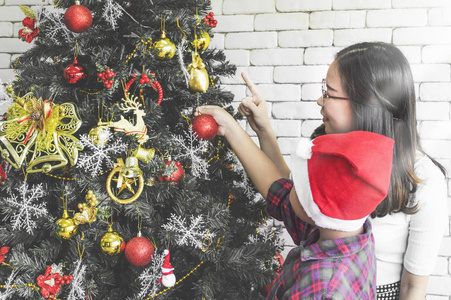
(254, 107)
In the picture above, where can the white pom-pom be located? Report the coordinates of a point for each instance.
(304, 148)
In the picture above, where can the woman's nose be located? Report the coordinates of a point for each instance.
(320, 101)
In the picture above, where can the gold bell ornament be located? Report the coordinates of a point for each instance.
(88, 211)
(112, 243)
(143, 154)
(198, 80)
(127, 176)
(66, 227)
(164, 48)
(201, 43)
(40, 134)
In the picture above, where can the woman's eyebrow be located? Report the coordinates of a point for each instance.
(330, 88)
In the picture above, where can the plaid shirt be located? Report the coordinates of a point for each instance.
(333, 269)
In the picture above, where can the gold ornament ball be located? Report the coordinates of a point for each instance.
(98, 135)
(150, 181)
(112, 243)
(164, 48)
(199, 80)
(66, 228)
(46, 168)
(202, 42)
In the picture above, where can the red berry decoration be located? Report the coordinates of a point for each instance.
(106, 77)
(78, 18)
(139, 251)
(205, 127)
(75, 74)
(210, 20)
(146, 79)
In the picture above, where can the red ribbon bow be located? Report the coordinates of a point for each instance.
(30, 31)
(49, 283)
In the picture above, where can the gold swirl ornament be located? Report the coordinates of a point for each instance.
(128, 177)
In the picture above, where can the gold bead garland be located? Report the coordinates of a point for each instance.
(180, 280)
(149, 41)
(65, 178)
(90, 93)
(30, 285)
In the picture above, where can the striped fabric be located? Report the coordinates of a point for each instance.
(333, 269)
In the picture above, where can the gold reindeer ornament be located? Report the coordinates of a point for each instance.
(139, 129)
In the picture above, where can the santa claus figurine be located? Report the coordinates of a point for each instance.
(168, 277)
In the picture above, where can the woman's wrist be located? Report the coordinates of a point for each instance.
(265, 132)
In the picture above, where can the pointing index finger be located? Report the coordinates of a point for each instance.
(250, 84)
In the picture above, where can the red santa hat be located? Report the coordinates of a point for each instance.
(166, 263)
(166, 268)
(341, 178)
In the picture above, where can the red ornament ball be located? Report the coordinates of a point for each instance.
(139, 251)
(205, 127)
(75, 74)
(78, 18)
(175, 175)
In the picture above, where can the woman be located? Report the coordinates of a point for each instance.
(369, 87)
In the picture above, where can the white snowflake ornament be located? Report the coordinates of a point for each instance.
(97, 154)
(77, 290)
(192, 234)
(150, 277)
(27, 206)
(191, 148)
(112, 11)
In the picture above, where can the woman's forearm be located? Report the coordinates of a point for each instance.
(270, 146)
(413, 287)
(260, 168)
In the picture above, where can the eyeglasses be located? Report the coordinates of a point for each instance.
(326, 95)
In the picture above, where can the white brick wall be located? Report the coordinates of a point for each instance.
(286, 46)
(299, 60)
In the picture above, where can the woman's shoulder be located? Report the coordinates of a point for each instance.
(427, 170)
(433, 183)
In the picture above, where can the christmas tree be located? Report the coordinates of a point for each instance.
(111, 188)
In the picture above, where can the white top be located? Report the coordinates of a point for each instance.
(418, 236)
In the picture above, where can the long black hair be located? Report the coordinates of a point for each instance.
(377, 79)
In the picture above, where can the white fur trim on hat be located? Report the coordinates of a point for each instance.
(304, 193)
(304, 148)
